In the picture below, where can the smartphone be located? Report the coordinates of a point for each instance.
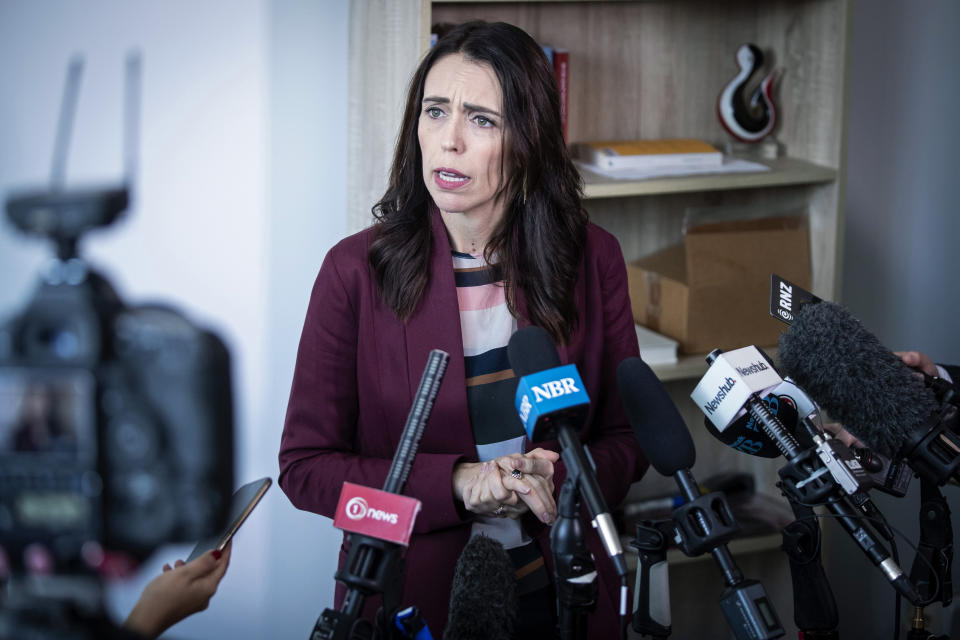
(241, 504)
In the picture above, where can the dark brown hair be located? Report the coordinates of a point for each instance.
(539, 242)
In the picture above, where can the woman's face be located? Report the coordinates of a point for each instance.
(461, 137)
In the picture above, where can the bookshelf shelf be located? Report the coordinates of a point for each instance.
(686, 366)
(694, 365)
(783, 172)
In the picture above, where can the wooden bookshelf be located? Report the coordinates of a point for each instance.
(783, 172)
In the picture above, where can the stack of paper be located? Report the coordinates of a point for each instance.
(656, 348)
(649, 154)
(730, 165)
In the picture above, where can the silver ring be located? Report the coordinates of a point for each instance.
(499, 512)
(516, 473)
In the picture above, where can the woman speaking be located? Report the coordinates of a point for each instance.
(480, 231)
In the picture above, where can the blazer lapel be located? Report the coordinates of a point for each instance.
(436, 325)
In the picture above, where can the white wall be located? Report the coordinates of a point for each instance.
(900, 261)
(308, 177)
(239, 193)
(903, 215)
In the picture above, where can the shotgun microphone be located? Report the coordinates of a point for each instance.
(730, 386)
(871, 391)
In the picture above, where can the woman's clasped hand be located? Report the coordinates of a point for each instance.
(509, 486)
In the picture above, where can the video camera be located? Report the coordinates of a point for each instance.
(116, 421)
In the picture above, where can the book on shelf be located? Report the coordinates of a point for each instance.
(656, 348)
(649, 154)
(559, 59)
(561, 69)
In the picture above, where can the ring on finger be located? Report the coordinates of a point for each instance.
(516, 473)
(499, 512)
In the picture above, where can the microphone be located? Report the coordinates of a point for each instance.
(374, 563)
(790, 404)
(666, 442)
(483, 594)
(804, 480)
(871, 391)
(416, 421)
(551, 398)
(794, 409)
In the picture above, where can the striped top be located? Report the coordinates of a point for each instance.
(486, 325)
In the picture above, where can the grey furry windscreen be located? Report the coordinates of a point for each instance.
(857, 380)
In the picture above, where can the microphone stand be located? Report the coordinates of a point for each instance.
(704, 523)
(651, 595)
(373, 565)
(814, 607)
(932, 566)
(574, 569)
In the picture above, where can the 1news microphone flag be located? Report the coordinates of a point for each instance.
(379, 514)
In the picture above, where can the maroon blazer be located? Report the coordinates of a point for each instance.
(358, 368)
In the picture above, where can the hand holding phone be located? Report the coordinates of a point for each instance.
(241, 504)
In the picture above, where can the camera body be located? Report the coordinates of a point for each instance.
(116, 421)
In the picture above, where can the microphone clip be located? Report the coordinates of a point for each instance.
(704, 524)
(804, 481)
(933, 450)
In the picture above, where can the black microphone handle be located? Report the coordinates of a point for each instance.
(862, 500)
(575, 458)
(932, 566)
(573, 564)
(876, 552)
(420, 411)
(814, 607)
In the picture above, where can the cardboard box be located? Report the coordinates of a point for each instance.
(713, 291)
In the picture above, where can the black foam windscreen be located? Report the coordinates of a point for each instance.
(531, 349)
(854, 377)
(663, 435)
(483, 601)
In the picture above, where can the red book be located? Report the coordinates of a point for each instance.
(561, 68)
